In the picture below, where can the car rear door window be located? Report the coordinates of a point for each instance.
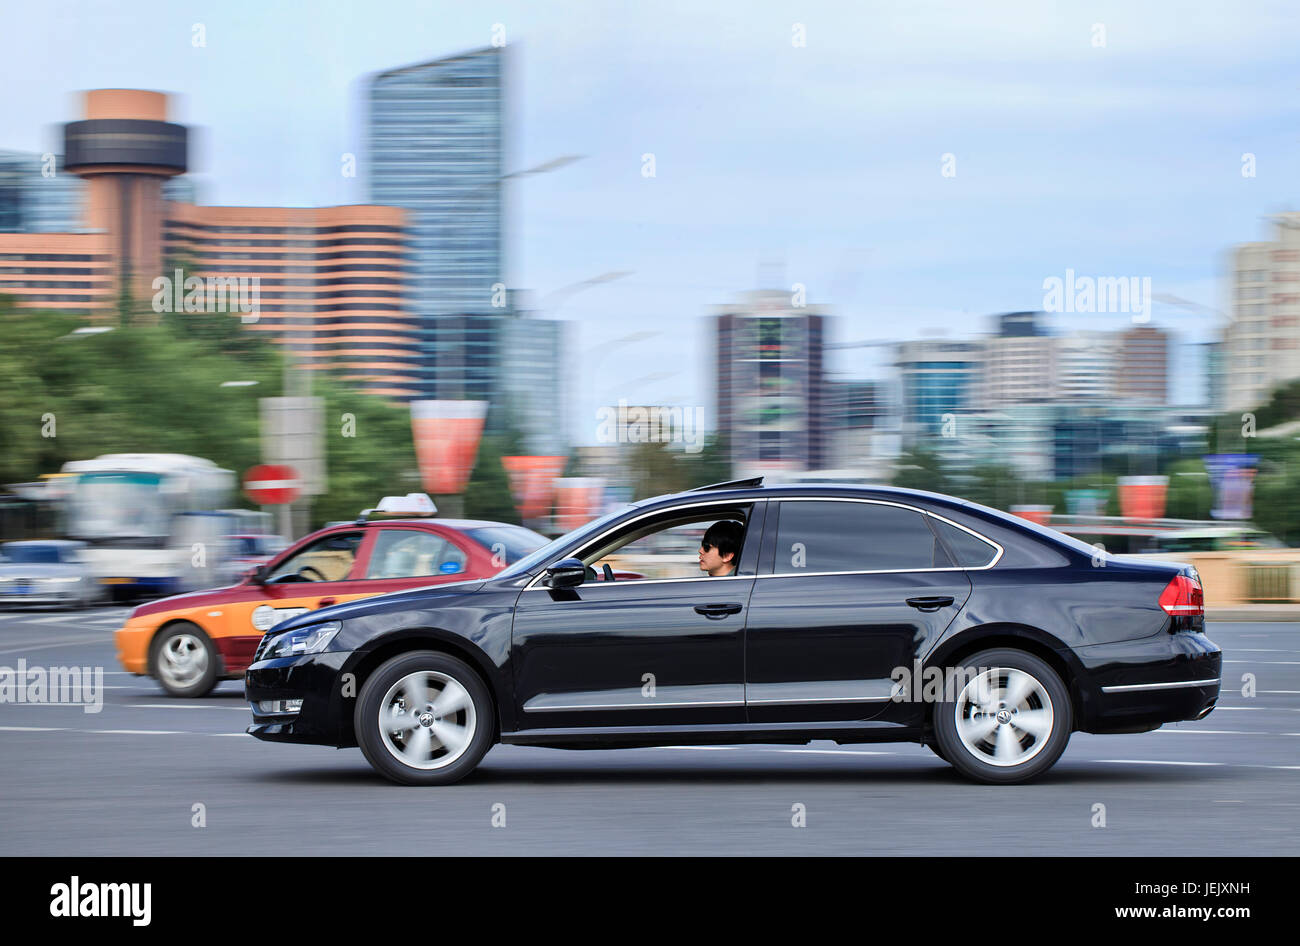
(412, 553)
(968, 551)
(829, 536)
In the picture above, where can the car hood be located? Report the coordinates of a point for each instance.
(378, 604)
(198, 599)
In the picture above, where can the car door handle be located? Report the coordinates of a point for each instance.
(716, 611)
(930, 603)
(326, 602)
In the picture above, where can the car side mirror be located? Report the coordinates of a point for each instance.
(566, 573)
(258, 575)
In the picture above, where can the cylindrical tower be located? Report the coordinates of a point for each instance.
(125, 148)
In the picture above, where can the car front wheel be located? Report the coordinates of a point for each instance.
(424, 718)
(184, 661)
(1009, 720)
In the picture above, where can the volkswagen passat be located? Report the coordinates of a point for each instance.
(757, 615)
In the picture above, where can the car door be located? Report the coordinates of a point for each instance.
(848, 591)
(667, 649)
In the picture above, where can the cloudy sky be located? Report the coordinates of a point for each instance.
(775, 163)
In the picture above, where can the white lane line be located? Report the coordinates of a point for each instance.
(1223, 732)
(1152, 762)
(168, 706)
(833, 751)
(76, 643)
(1258, 709)
(1268, 662)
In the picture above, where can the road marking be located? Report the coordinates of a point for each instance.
(240, 709)
(1154, 762)
(1269, 662)
(76, 643)
(1224, 732)
(833, 751)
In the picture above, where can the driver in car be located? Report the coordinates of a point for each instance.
(719, 548)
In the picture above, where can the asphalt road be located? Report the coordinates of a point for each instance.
(126, 780)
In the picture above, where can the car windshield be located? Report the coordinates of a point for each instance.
(529, 563)
(32, 555)
(511, 543)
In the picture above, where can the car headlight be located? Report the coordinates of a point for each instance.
(59, 581)
(311, 639)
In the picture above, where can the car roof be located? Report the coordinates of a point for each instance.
(726, 494)
(458, 524)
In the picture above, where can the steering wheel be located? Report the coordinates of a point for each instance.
(609, 572)
(308, 568)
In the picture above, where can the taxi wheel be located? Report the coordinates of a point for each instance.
(424, 718)
(184, 660)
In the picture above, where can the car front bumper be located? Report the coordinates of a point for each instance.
(327, 696)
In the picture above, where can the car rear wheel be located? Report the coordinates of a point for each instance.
(184, 660)
(1010, 720)
(424, 718)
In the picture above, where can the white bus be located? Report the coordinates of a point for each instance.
(151, 521)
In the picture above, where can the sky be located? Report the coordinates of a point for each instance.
(775, 163)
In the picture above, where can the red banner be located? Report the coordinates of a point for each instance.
(577, 500)
(532, 482)
(446, 442)
(1142, 497)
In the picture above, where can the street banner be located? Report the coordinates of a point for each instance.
(1232, 477)
(577, 500)
(1034, 513)
(532, 483)
(1142, 497)
(447, 436)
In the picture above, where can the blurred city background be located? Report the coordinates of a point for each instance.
(1103, 335)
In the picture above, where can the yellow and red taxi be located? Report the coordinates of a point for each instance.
(189, 642)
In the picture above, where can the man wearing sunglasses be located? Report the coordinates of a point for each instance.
(720, 547)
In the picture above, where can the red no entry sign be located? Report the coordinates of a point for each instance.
(271, 484)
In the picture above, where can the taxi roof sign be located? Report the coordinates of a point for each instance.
(412, 504)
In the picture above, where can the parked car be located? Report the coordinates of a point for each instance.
(49, 572)
(250, 549)
(190, 642)
(841, 602)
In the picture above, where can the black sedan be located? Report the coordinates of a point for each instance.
(758, 615)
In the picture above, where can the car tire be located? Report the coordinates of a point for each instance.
(977, 730)
(934, 747)
(426, 743)
(184, 660)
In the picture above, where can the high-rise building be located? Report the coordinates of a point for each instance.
(939, 377)
(1142, 365)
(853, 410)
(532, 397)
(1019, 362)
(330, 282)
(436, 146)
(1261, 347)
(770, 386)
(1085, 366)
(36, 195)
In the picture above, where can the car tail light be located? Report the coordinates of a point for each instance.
(1183, 597)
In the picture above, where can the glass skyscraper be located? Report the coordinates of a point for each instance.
(436, 149)
(30, 202)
